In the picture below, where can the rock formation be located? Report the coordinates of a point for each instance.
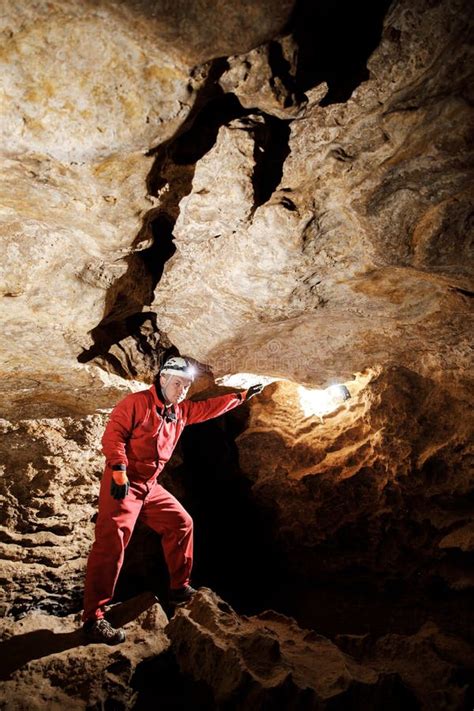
(48, 666)
(381, 484)
(269, 662)
(50, 471)
(282, 192)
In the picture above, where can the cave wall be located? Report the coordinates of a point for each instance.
(49, 487)
(89, 89)
(382, 487)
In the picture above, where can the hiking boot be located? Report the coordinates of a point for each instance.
(102, 631)
(183, 594)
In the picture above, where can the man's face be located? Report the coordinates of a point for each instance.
(174, 387)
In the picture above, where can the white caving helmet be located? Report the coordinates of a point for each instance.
(178, 366)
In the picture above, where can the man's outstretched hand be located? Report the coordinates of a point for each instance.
(254, 390)
(119, 485)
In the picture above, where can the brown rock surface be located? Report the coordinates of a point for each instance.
(267, 661)
(253, 79)
(46, 664)
(427, 661)
(48, 494)
(205, 29)
(361, 253)
(382, 483)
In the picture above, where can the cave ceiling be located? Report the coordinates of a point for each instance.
(184, 176)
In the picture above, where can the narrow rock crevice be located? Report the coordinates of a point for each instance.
(283, 70)
(172, 173)
(464, 292)
(198, 132)
(171, 178)
(270, 153)
(335, 41)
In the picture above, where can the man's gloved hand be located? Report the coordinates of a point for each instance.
(119, 485)
(254, 390)
(345, 394)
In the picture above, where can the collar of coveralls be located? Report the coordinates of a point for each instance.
(159, 400)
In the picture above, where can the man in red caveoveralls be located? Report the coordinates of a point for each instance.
(139, 439)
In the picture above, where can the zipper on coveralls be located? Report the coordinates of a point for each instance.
(149, 484)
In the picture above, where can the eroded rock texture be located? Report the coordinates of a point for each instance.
(267, 661)
(50, 473)
(360, 252)
(47, 665)
(87, 90)
(383, 484)
(427, 661)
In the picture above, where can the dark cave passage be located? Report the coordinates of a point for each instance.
(199, 137)
(125, 317)
(270, 153)
(237, 555)
(175, 690)
(335, 40)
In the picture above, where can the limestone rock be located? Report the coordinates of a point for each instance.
(265, 78)
(204, 29)
(218, 217)
(462, 538)
(361, 254)
(87, 83)
(46, 663)
(87, 89)
(268, 661)
(427, 661)
(80, 390)
(139, 354)
(314, 241)
(380, 484)
(48, 491)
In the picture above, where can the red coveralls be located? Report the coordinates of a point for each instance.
(139, 437)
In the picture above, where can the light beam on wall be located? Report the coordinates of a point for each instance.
(322, 402)
(245, 380)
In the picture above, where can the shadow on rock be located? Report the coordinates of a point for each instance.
(20, 649)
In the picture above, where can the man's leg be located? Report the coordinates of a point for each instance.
(113, 530)
(165, 515)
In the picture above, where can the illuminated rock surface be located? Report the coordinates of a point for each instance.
(361, 250)
(381, 483)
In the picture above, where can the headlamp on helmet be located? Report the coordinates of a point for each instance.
(180, 367)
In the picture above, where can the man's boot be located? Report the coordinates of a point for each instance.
(101, 631)
(179, 595)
